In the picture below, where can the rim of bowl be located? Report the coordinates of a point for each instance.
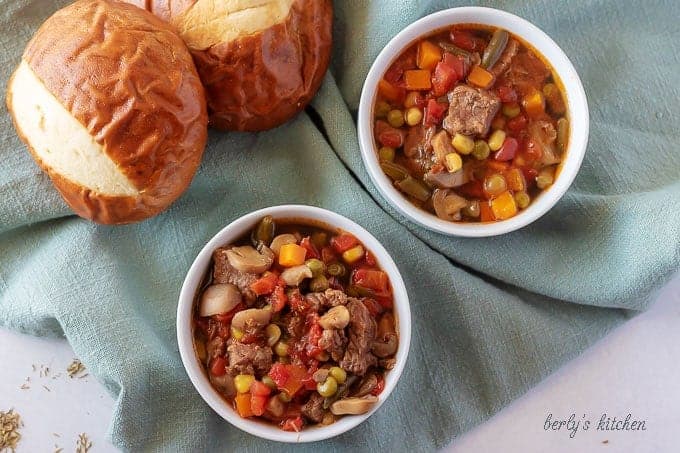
(558, 60)
(194, 276)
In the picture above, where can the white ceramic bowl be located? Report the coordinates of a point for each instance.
(576, 100)
(236, 230)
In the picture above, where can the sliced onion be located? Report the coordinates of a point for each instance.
(247, 259)
(220, 298)
(447, 205)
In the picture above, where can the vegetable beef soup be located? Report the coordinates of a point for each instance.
(471, 124)
(294, 324)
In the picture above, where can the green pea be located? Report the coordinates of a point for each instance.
(328, 387)
(316, 266)
(318, 284)
(481, 150)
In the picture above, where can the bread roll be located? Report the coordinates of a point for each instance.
(110, 105)
(261, 61)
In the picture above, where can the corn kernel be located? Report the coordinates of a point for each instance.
(395, 118)
(522, 199)
(511, 110)
(353, 255)
(242, 382)
(413, 116)
(463, 143)
(386, 154)
(453, 162)
(496, 140)
(281, 349)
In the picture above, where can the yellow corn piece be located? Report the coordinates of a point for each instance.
(496, 140)
(236, 333)
(292, 255)
(242, 382)
(353, 255)
(504, 206)
(463, 143)
(453, 162)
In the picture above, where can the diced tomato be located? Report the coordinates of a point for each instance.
(258, 404)
(297, 301)
(327, 255)
(309, 383)
(259, 389)
(465, 40)
(374, 308)
(371, 279)
(370, 259)
(447, 72)
(218, 367)
(472, 189)
(394, 74)
(279, 374)
(391, 138)
(507, 94)
(292, 424)
(508, 150)
(343, 242)
(288, 377)
(496, 166)
(517, 123)
(278, 299)
(265, 285)
(379, 386)
(434, 112)
(312, 252)
(391, 92)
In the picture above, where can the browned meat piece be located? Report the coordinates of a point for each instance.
(294, 324)
(470, 111)
(329, 298)
(362, 330)
(224, 273)
(445, 180)
(441, 145)
(418, 141)
(388, 364)
(506, 57)
(215, 347)
(333, 341)
(526, 73)
(248, 358)
(313, 408)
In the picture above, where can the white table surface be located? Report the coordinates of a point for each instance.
(636, 369)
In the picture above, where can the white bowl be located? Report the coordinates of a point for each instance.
(577, 108)
(235, 231)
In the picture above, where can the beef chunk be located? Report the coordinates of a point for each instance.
(327, 299)
(506, 58)
(471, 111)
(362, 331)
(526, 73)
(333, 341)
(313, 408)
(248, 358)
(418, 141)
(294, 324)
(224, 273)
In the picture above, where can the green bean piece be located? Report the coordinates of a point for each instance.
(454, 49)
(336, 270)
(496, 46)
(318, 284)
(414, 188)
(394, 171)
(264, 232)
(316, 266)
(562, 134)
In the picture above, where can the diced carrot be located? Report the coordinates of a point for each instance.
(504, 206)
(418, 79)
(391, 92)
(486, 214)
(243, 408)
(292, 255)
(534, 104)
(258, 404)
(480, 77)
(515, 179)
(497, 165)
(428, 55)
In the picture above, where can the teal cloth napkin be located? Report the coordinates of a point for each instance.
(491, 317)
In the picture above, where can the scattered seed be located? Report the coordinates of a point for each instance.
(10, 422)
(83, 444)
(75, 368)
(47, 388)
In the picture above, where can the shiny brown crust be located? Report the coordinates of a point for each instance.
(129, 79)
(260, 81)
